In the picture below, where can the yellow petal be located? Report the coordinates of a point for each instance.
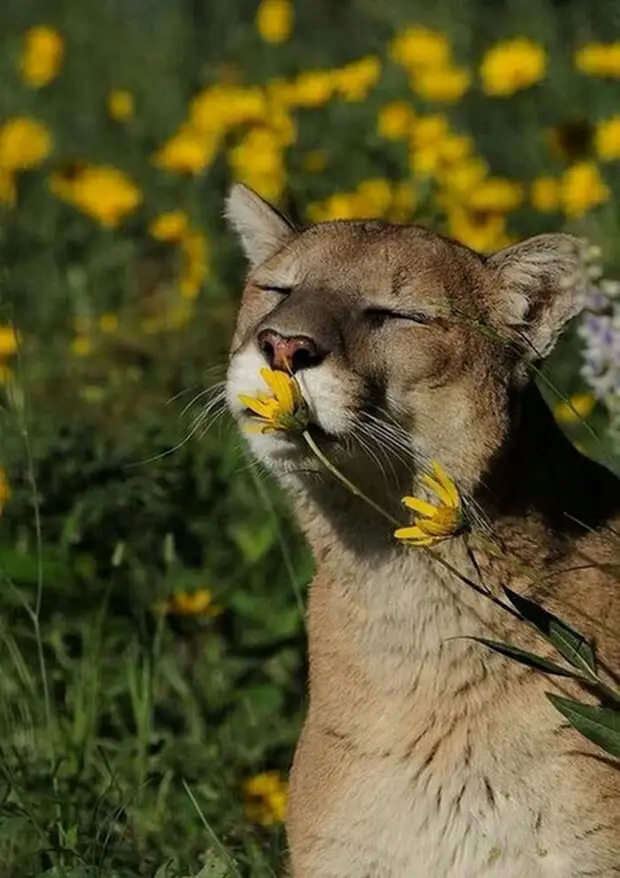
(281, 385)
(442, 485)
(413, 535)
(264, 408)
(420, 506)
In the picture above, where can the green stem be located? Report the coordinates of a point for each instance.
(344, 481)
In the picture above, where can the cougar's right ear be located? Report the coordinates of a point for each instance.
(263, 230)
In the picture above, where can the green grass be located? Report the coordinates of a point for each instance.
(125, 736)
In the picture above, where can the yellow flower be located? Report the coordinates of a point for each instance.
(258, 160)
(190, 603)
(545, 194)
(169, 226)
(194, 249)
(188, 151)
(404, 202)
(274, 20)
(121, 104)
(374, 196)
(607, 139)
(576, 409)
(5, 489)
(599, 59)
(432, 522)
(8, 341)
(445, 84)
(571, 141)
(285, 409)
(313, 88)
(395, 120)
(496, 195)
(41, 56)
(81, 346)
(458, 178)
(582, 188)
(512, 65)
(483, 231)
(428, 134)
(108, 323)
(419, 47)
(355, 80)
(102, 192)
(24, 144)
(265, 796)
(219, 108)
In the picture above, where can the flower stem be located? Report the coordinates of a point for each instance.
(350, 486)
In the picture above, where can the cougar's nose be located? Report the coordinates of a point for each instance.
(289, 353)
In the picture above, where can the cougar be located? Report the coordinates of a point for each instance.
(424, 754)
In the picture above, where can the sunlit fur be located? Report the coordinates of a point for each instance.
(422, 753)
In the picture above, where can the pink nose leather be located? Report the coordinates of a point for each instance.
(289, 354)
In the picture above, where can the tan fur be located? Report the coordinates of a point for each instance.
(422, 753)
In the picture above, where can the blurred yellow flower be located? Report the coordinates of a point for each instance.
(375, 196)
(570, 141)
(444, 84)
(81, 346)
(41, 56)
(218, 108)
(395, 120)
(578, 407)
(607, 139)
(355, 80)
(169, 226)
(599, 59)
(312, 88)
(190, 603)
(582, 188)
(195, 263)
(495, 194)
(188, 151)
(8, 341)
(5, 489)
(108, 323)
(121, 104)
(24, 144)
(404, 202)
(545, 194)
(419, 47)
(483, 231)
(459, 177)
(258, 160)
(512, 65)
(274, 20)
(102, 192)
(428, 133)
(265, 796)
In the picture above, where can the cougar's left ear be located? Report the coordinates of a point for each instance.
(262, 228)
(540, 286)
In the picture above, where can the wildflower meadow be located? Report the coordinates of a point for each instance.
(152, 583)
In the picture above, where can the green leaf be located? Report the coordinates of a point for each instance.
(571, 645)
(600, 724)
(524, 657)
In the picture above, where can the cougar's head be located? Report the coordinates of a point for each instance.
(399, 338)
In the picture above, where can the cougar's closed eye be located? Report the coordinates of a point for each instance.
(380, 315)
(274, 288)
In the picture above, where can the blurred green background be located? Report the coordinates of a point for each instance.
(152, 670)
